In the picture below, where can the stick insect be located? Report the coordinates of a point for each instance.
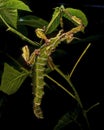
(39, 58)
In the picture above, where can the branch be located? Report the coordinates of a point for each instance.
(9, 28)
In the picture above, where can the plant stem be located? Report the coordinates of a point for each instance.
(77, 98)
(19, 34)
(60, 85)
(96, 104)
(74, 67)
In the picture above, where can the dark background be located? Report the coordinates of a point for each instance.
(16, 111)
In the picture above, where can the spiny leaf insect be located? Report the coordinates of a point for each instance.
(41, 56)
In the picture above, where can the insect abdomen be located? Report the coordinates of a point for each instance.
(39, 83)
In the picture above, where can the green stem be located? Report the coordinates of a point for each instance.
(92, 106)
(74, 67)
(60, 85)
(18, 33)
(77, 98)
(70, 83)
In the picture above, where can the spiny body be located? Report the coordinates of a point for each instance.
(38, 74)
(40, 63)
(38, 82)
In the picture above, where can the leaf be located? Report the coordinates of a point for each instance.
(63, 12)
(10, 16)
(32, 21)
(55, 21)
(14, 4)
(66, 120)
(12, 79)
(8, 10)
(76, 12)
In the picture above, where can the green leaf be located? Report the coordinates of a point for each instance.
(14, 4)
(32, 21)
(12, 79)
(8, 10)
(78, 13)
(55, 21)
(10, 16)
(66, 120)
